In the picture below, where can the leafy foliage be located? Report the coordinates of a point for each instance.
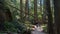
(16, 25)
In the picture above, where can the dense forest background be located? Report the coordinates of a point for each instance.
(21, 15)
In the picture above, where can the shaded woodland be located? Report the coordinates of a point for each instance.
(20, 15)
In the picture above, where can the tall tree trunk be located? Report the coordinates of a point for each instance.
(50, 20)
(35, 11)
(1, 20)
(57, 15)
(44, 17)
(27, 10)
(21, 12)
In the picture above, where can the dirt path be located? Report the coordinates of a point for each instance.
(38, 30)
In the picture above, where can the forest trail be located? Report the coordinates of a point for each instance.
(38, 30)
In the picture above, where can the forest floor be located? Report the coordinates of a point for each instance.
(38, 30)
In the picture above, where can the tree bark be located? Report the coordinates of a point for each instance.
(21, 12)
(35, 12)
(57, 15)
(50, 20)
(1, 20)
(27, 10)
